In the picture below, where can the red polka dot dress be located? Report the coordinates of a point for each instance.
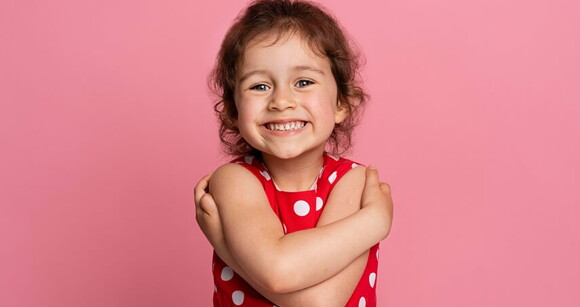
(296, 211)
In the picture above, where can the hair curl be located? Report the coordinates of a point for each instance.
(274, 18)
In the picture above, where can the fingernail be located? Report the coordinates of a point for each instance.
(372, 167)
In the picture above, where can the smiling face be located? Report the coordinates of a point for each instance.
(286, 97)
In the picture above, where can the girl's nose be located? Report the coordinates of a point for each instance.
(281, 100)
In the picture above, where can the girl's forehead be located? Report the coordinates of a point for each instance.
(287, 48)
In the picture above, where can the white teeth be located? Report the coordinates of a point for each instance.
(286, 127)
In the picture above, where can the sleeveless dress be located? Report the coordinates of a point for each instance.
(296, 211)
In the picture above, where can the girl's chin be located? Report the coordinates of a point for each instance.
(282, 155)
(290, 154)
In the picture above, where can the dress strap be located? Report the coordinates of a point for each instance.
(334, 168)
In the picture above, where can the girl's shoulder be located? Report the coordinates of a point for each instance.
(234, 179)
(240, 166)
(246, 171)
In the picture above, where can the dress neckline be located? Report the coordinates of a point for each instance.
(313, 187)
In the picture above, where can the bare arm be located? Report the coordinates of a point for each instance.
(301, 259)
(327, 266)
(344, 200)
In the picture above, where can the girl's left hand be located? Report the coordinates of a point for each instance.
(207, 214)
(208, 219)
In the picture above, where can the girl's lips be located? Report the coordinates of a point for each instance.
(284, 121)
(286, 129)
(287, 125)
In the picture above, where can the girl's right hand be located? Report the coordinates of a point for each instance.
(376, 196)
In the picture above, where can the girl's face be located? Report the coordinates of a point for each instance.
(286, 98)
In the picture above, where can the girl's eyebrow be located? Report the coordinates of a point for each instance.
(309, 68)
(295, 68)
(250, 73)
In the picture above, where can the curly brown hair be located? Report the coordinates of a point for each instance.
(264, 19)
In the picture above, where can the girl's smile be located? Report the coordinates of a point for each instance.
(285, 127)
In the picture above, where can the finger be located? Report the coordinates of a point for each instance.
(207, 205)
(201, 188)
(207, 177)
(200, 209)
(372, 176)
(385, 188)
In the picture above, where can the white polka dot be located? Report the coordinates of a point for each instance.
(332, 177)
(354, 165)
(362, 302)
(265, 174)
(372, 279)
(238, 297)
(335, 158)
(377, 254)
(318, 203)
(227, 273)
(285, 229)
(301, 208)
(249, 159)
(314, 187)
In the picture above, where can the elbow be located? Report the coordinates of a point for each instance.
(281, 278)
(384, 231)
(385, 226)
(389, 226)
(276, 286)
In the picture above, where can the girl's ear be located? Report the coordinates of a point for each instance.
(341, 112)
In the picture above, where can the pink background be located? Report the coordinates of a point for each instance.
(106, 124)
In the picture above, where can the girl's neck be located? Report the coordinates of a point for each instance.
(295, 174)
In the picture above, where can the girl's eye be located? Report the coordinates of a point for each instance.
(303, 83)
(260, 87)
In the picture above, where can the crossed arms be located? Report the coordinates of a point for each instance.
(322, 262)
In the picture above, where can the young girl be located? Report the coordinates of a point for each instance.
(291, 224)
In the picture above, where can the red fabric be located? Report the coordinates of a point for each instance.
(296, 211)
